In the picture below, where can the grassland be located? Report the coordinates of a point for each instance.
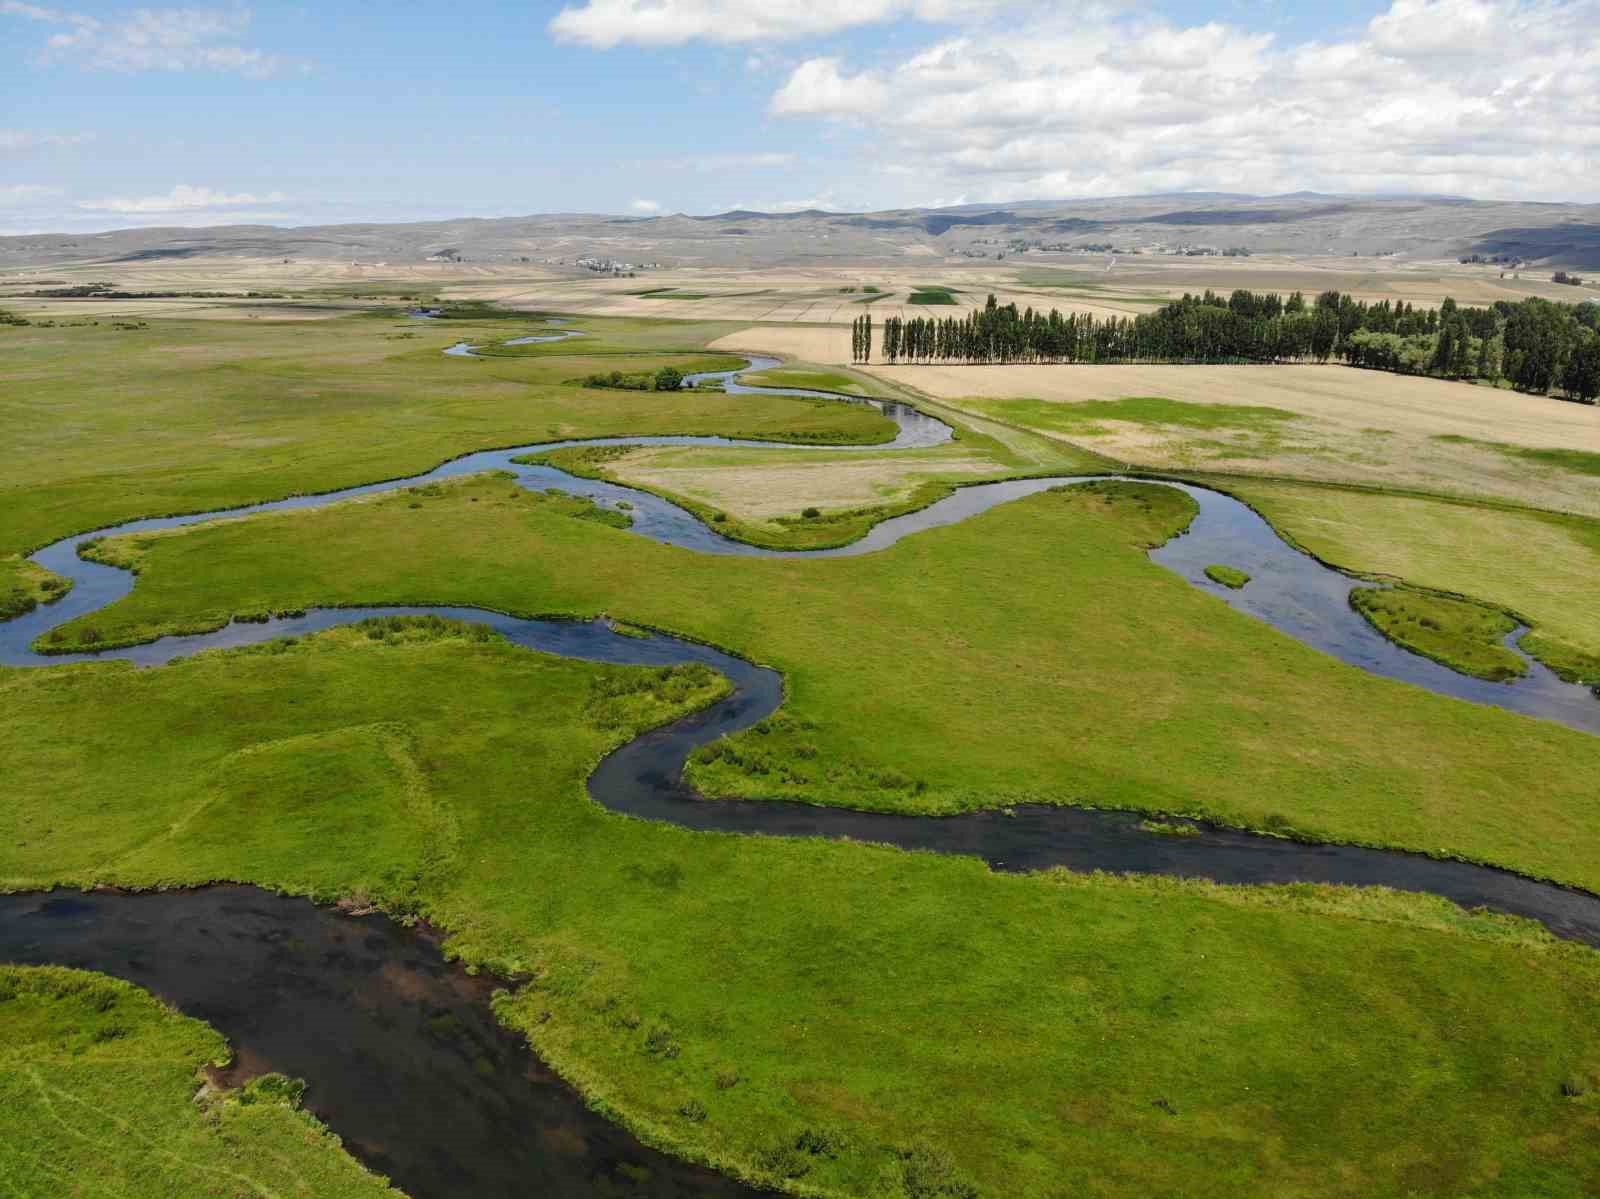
(25, 585)
(860, 1021)
(98, 1087)
(820, 378)
(1581, 462)
(1095, 684)
(1353, 426)
(1459, 633)
(1229, 576)
(847, 1020)
(1540, 566)
(195, 415)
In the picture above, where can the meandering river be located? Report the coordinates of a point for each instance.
(357, 1008)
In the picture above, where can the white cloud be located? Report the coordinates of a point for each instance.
(19, 141)
(150, 39)
(817, 87)
(1477, 97)
(182, 198)
(646, 207)
(607, 23)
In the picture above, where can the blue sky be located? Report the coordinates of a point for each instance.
(114, 115)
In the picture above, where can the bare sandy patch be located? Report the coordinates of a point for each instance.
(760, 485)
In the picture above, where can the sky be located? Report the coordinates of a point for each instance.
(114, 115)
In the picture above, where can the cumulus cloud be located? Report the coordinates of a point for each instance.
(607, 23)
(182, 198)
(150, 39)
(645, 207)
(1466, 96)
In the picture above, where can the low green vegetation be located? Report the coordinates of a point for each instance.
(1088, 417)
(1099, 630)
(206, 414)
(1539, 565)
(24, 585)
(1228, 576)
(101, 1093)
(839, 1017)
(664, 378)
(820, 378)
(1464, 636)
(932, 295)
(1578, 462)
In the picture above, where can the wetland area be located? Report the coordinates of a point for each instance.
(430, 1080)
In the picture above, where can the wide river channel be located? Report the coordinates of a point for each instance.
(402, 1055)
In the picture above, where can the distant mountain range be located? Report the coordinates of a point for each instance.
(1301, 223)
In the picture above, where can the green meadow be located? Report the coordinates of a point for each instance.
(100, 1095)
(1105, 681)
(827, 1018)
(848, 1020)
(188, 416)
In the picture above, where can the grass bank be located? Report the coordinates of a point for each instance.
(1464, 636)
(25, 585)
(100, 1094)
(831, 1017)
(1030, 654)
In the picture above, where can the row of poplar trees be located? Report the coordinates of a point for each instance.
(1535, 344)
(861, 339)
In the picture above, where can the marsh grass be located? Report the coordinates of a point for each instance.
(98, 1085)
(1465, 636)
(252, 411)
(977, 724)
(1228, 576)
(24, 585)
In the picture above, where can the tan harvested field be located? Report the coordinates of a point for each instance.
(760, 485)
(1353, 426)
(1101, 284)
(315, 288)
(826, 344)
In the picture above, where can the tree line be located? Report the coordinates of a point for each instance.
(861, 338)
(1535, 345)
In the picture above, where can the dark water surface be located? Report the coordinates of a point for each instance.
(402, 1053)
